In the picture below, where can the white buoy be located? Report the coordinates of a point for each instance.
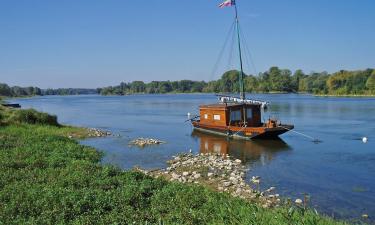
(364, 139)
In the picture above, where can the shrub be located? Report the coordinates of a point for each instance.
(31, 116)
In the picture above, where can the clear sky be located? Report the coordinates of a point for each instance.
(95, 43)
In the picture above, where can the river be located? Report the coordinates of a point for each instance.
(337, 173)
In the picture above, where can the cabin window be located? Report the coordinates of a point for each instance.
(235, 115)
(249, 113)
(205, 116)
(216, 117)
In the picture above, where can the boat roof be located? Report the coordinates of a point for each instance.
(225, 105)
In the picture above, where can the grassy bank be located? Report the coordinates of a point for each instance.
(47, 178)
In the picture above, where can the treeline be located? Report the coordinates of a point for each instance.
(361, 82)
(17, 91)
(70, 91)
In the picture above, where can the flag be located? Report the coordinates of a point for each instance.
(227, 3)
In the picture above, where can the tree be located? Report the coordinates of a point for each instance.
(296, 80)
(198, 86)
(370, 83)
(165, 87)
(18, 91)
(251, 84)
(279, 80)
(5, 90)
(229, 81)
(137, 87)
(185, 86)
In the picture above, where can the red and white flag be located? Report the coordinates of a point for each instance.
(227, 3)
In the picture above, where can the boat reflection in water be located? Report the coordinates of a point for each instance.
(261, 151)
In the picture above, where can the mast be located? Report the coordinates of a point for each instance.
(242, 89)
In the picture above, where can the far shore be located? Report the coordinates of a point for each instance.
(4, 98)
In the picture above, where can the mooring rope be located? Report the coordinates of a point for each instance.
(315, 140)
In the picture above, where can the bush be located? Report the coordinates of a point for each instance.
(31, 116)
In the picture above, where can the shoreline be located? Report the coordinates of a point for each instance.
(84, 175)
(5, 98)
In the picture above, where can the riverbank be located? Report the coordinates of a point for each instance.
(347, 96)
(48, 177)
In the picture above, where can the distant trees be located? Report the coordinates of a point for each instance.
(273, 80)
(349, 82)
(5, 90)
(370, 83)
(16, 91)
(68, 91)
(360, 82)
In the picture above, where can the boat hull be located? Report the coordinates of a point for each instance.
(246, 133)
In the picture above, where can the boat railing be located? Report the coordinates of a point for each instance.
(231, 99)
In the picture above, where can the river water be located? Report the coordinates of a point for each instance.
(338, 173)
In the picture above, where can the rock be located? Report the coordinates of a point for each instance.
(227, 174)
(197, 176)
(298, 201)
(142, 142)
(227, 183)
(255, 179)
(94, 132)
(175, 176)
(270, 189)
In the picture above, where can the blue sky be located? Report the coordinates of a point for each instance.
(98, 43)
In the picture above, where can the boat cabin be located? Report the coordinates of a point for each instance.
(233, 114)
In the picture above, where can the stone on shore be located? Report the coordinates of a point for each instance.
(95, 132)
(142, 142)
(217, 172)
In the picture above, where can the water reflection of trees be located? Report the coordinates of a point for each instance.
(261, 151)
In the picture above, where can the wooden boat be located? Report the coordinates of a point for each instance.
(237, 120)
(238, 117)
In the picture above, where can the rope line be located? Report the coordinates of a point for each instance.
(247, 49)
(222, 50)
(305, 135)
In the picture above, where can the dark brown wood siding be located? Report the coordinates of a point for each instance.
(211, 113)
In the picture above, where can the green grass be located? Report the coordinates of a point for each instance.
(29, 116)
(47, 178)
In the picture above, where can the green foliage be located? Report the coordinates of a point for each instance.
(28, 116)
(16, 91)
(274, 80)
(370, 83)
(48, 179)
(346, 82)
(68, 91)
